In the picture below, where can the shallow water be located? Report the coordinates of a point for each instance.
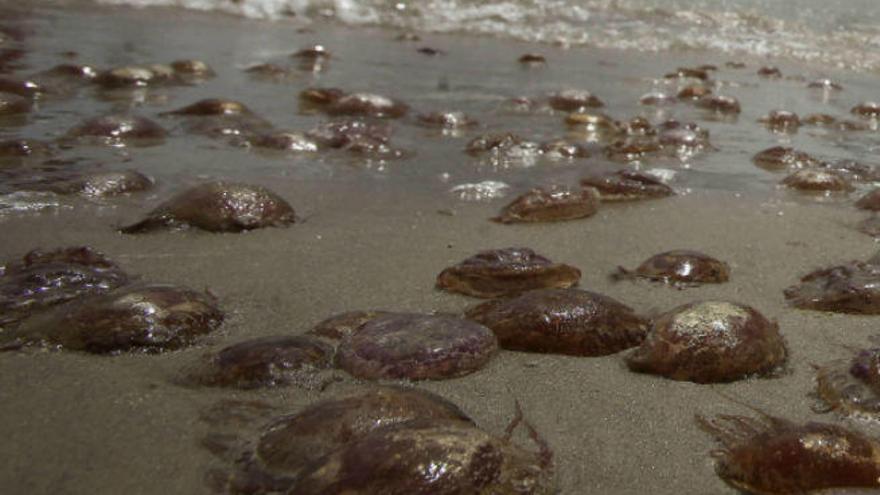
(377, 233)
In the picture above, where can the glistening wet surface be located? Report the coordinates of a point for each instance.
(373, 233)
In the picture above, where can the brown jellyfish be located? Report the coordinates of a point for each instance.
(501, 272)
(218, 207)
(679, 267)
(43, 279)
(212, 106)
(491, 141)
(770, 72)
(342, 325)
(561, 321)
(551, 204)
(870, 226)
(780, 157)
(264, 362)
(13, 105)
(313, 52)
(781, 121)
(290, 443)
(869, 109)
(850, 288)
(368, 104)
(25, 88)
(532, 59)
(416, 347)
(593, 122)
(817, 180)
(819, 119)
(683, 139)
(75, 72)
(320, 97)
(825, 84)
(709, 342)
(572, 100)
(773, 456)
(719, 104)
(559, 149)
(394, 459)
(430, 51)
(129, 77)
(13, 148)
(627, 185)
(852, 386)
(638, 126)
(339, 134)
(119, 130)
(870, 201)
(191, 69)
(95, 184)
(633, 148)
(694, 92)
(269, 71)
(285, 141)
(688, 73)
(658, 99)
(148, 318)
(446, 120)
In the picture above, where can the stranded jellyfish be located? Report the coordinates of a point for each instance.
(532, 59)
(342, 325)
(212, 106)
(627, 185)
(492, 141)
(446, 120)
(416, 347)
(689, 73)
(850, 288)
(296, 453)
(47, 278)
(694, 92)
(430, 456)
(13, 105)
(369, 105)
(870, 201)
(218, 207)
(551, 204)
(679, 267)
(869, 109)
(119, 130)
(561, 321)
(781, 121)
(852, 386)
(500, 272)
(264, 362)
(100, 184)
(816, 180)
(710, 341)
(719, 104)
(148, 318)
(285, 141)
(572, 100)
(773, 456)
(781, 157)
(770, 72)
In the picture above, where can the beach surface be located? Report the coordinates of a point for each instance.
(374, 235)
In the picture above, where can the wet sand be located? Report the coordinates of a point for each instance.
(77, 423)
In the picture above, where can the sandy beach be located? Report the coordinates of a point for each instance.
(376, 237)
